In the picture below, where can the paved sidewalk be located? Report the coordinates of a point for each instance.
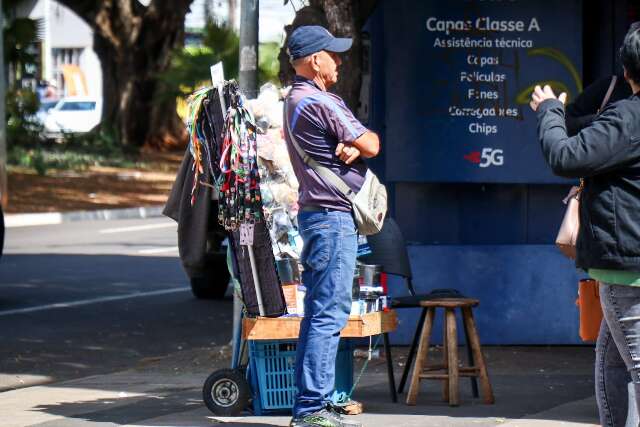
(534, 387)
(52, 218)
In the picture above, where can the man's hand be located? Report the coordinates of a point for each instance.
(347, 153)
(539, 95)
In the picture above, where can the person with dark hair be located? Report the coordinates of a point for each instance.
(595, 97)
(606, 155)
(630, 53)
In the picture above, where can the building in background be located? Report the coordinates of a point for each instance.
(67, 59)
(70, 64)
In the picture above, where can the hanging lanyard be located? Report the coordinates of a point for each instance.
(239, 200)
(235, 156)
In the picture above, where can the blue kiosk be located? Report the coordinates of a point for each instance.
(450, 85)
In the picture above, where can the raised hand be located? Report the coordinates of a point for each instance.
(542, 94)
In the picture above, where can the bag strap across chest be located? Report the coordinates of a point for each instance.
(324, 172)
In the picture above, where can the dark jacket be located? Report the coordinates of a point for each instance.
(195, 223)
(607, 155)
(199, 233)
(583, 110)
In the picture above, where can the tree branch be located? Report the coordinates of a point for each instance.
(106, 23)
(130, 22)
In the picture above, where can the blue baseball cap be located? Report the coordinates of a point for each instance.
(310, 39)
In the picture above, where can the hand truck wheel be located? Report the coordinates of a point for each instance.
(226, 392)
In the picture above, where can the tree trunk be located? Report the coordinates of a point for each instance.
(343, 18)
(134, 44)
(308, 15)
(132, 107)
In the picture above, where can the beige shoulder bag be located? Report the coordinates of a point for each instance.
(568, 233)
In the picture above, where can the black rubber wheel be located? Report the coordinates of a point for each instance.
(215, 279)
(226, 392)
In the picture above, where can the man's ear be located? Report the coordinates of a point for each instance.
(625, 74)
(315, 62)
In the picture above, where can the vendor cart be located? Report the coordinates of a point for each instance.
(232, 160)
(264, 375)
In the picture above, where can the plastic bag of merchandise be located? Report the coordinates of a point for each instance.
(267, 108)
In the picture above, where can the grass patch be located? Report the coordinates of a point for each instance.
(43, 159)
(74, 152)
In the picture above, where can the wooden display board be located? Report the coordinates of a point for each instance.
(267, 328)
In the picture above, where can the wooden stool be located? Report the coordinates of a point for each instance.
(449, 371)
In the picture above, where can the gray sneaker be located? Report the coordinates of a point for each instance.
(323, 418)
(343, 420)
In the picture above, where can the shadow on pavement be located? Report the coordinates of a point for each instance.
(102, 336)
(171, 341)
(527, 382)
(125, 411)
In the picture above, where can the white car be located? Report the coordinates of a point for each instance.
(72, 115)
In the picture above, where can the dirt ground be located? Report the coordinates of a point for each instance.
(95, 188)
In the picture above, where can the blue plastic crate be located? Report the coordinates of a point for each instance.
(272, 373)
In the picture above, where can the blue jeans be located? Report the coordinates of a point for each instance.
(329, 260)
(618, 356)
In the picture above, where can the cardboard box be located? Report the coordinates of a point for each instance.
(294, 298)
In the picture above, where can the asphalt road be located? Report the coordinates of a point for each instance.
(91, 298)
(84, 298)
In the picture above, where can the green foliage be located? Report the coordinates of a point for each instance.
(268, 66)
(20, 36)
(190, 65)
(75, 152)
(103, 142)
(20, 42)
(21, 59)
(42, 159)
(225, 46)
(22, 124)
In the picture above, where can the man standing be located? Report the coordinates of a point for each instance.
(324, 127)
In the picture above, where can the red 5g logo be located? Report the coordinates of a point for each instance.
(491, 157)
(488, 157)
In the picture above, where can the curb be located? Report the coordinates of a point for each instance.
(52, 218)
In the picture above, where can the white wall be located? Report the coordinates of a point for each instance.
(67, 28)
(90, 65)
(63, 29)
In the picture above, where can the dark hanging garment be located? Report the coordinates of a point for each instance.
(272, 297)
(197, 223)
(198, 216)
